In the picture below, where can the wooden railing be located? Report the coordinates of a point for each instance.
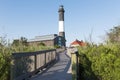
(27, 64)
(75, 64)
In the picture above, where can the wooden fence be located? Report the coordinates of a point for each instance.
(75, 64)
(27, 64)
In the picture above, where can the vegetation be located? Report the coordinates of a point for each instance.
(97, 62)
(6, 49)
(57, 46)
(114, 35)
(101, 62)
(41, 44)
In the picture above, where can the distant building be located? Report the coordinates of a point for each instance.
(52, 39)
(77, 43)
(48, 40)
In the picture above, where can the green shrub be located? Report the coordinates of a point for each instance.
(104, 61)
(7, 49)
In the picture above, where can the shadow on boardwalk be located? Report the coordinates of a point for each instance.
(59, 71)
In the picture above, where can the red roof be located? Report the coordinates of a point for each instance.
(77, 42)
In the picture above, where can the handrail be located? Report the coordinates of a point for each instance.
(27, 64)
(21, 54)
(75, 63)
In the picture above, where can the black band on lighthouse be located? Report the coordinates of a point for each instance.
(61, 13)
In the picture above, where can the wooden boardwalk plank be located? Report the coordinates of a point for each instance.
(59, 71)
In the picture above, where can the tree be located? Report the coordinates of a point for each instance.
(15, 42)
(41, 44)
(22, 41)
(114, 34)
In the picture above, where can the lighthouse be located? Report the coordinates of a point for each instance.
(61, 21)
(61, 24)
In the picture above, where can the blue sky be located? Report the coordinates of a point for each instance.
(30, 18)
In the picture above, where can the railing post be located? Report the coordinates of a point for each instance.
(45, 58)
(35, 61)
(75, 64)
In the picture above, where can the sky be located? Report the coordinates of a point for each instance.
(83, 18)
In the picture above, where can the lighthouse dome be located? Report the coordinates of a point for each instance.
(61, 9)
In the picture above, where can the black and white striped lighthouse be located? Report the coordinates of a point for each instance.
(61, 21)
(61, 25)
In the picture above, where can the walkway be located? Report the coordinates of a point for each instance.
(59, 71)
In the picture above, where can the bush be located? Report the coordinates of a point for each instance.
(7, 49)
(103, 61)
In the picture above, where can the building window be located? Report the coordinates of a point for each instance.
(59, 41)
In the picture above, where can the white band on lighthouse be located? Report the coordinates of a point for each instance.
(61, 26)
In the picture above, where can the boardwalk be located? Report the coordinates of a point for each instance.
(59, 71)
